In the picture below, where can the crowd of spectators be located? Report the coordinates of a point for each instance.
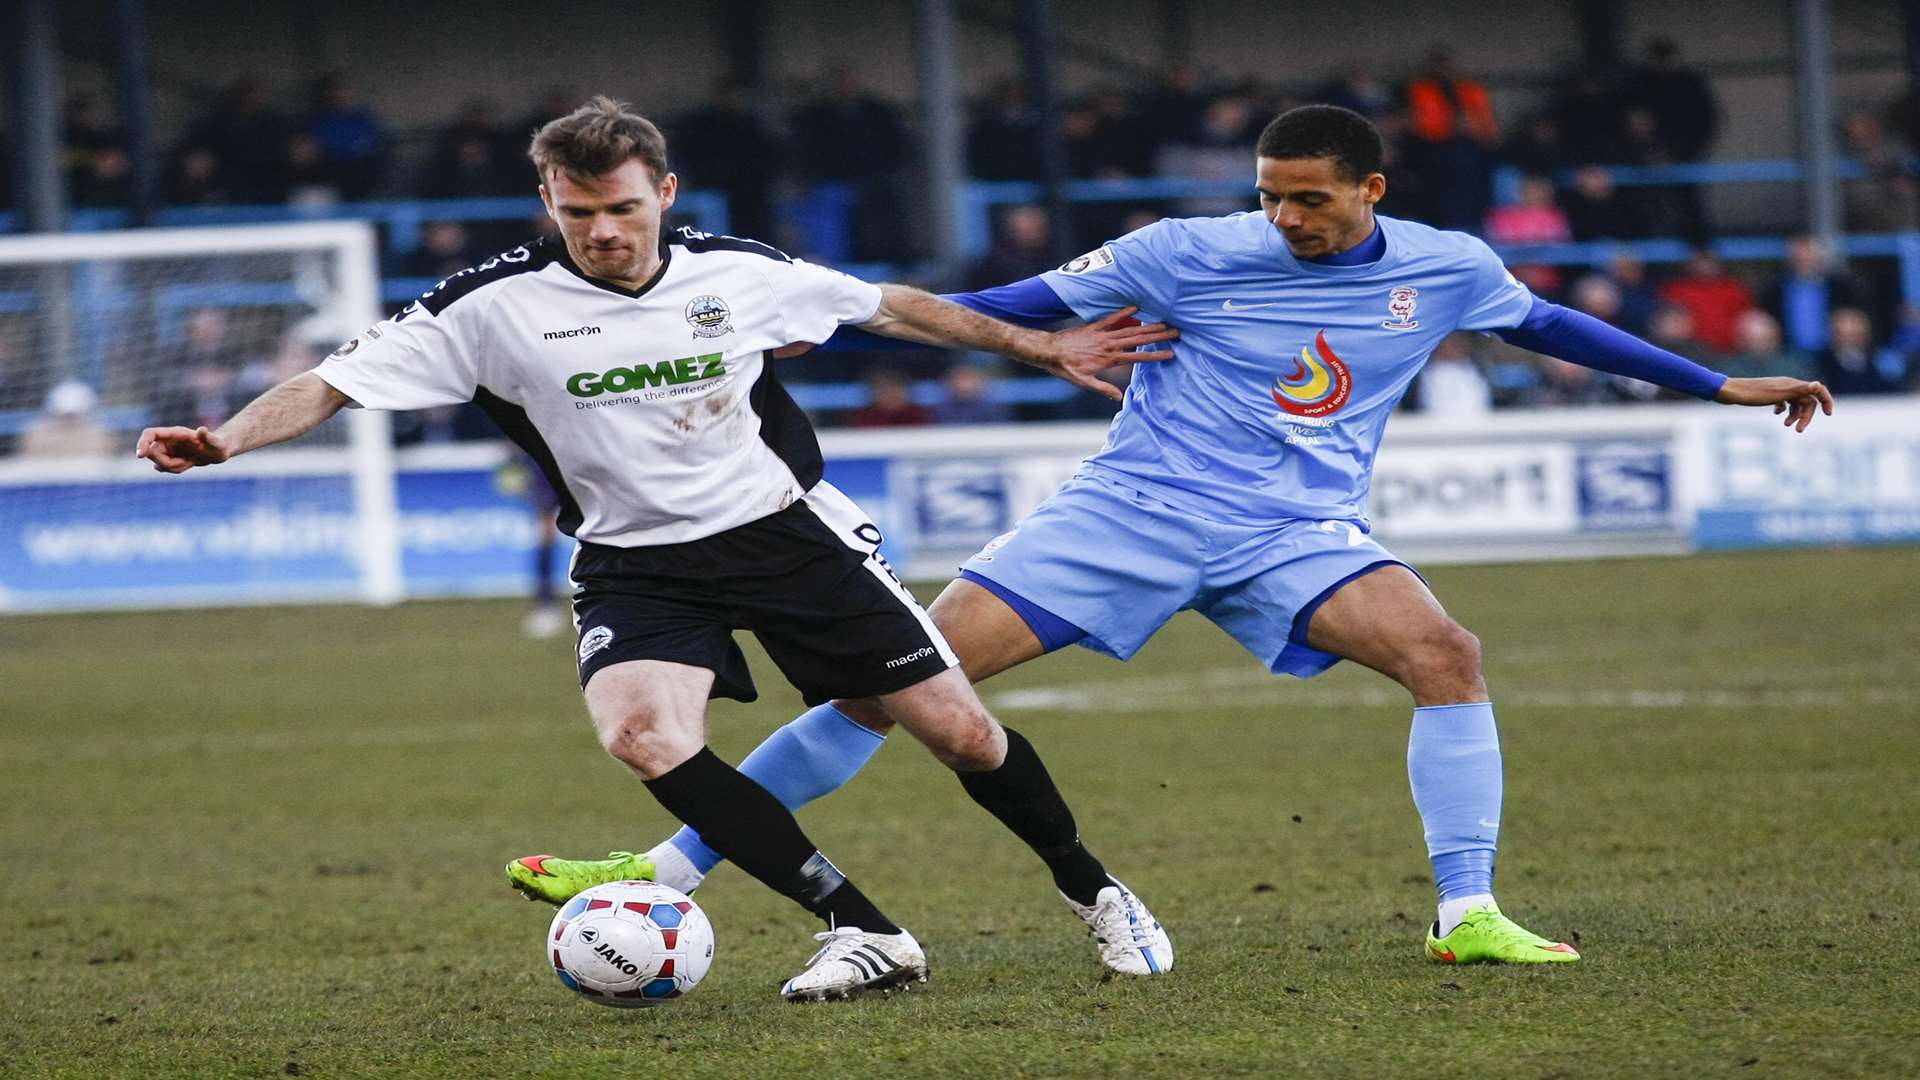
(832, 178)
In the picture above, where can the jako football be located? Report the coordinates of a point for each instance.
(630, 944)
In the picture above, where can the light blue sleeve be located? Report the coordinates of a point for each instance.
(1140, 269)
(1498, 300)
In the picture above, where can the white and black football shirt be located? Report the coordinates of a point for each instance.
(653, 411)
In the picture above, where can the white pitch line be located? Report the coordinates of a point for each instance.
(1217, 688)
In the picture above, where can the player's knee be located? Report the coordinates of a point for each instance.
(1444, 662)
(975, 743)
(644, 748)
(867, 712)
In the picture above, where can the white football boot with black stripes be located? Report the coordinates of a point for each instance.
(853, 961)
(1131, 940)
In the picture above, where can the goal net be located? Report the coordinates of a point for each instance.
(102, 334)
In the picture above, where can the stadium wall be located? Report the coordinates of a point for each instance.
(278, 527)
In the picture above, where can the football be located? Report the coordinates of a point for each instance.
(630, 944)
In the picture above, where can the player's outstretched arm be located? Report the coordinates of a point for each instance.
(1797, 398)
(287, 411)
(1076, 355)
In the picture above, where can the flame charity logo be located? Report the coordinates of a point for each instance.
(1318, 385)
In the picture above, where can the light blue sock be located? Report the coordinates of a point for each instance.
(1453, 762)
(811, 756)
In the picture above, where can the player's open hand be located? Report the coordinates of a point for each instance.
(1079, 355)
(1797, 398)
(177, 449)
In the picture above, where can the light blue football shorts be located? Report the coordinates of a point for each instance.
(1118, 563)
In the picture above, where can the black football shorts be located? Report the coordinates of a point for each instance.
(808, 581)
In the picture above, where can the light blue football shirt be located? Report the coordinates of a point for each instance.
(1286, 371)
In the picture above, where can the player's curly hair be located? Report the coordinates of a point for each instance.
(1325, 131)
(596, 139)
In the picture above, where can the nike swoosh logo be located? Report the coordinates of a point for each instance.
(1485, 824)
(1228, 305)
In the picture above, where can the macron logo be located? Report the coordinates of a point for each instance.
(555, 335)
(903, 661)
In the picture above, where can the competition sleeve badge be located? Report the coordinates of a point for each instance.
(709, 316)
(1098, 259)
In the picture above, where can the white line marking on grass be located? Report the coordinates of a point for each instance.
(1224, 688)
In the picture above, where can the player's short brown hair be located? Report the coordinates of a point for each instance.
(596, 139)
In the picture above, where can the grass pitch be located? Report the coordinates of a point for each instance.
(266, 843)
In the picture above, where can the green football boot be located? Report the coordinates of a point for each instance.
(1485, 936)
(557, 880)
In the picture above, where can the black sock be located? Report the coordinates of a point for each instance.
(1023, 797)
(744, 822)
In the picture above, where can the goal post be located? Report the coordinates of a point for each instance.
(103, 333)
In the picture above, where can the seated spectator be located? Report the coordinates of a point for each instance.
(473, 158)
(1563, 384)
(106, 180)
(1451, 141)
(1638, 298)
(1214, 150)
(95, 155)
(69, 426)
(350, 138)
(1886, 198)
(1359, 89)
(1714, 298)
(247, 141)
(852, 147)
(1536, 147)
(1851, 365)
(1003, 135)
(726, 146)
(196, 378)
(306, 174)
(1660, 209)
(966, 401)
(1587, 112)
(444, 249)
(1451, 384)
(890, 404)
(1595, 209)
(196, 179)
(1598, 296)
(1810, 290)
(1536, 220)
(1673, 329)
(1022, 248)
(1762, 353)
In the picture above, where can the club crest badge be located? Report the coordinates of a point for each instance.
(594, 640)
(709, 316)
(1400, 304)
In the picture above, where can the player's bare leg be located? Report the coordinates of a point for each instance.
(1389, 621)
(988, 636)
(828, 745)
(1001, 771)
(651, 716)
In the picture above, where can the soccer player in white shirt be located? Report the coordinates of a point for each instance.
(633, 367)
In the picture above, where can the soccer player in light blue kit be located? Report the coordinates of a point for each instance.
(1234, 482)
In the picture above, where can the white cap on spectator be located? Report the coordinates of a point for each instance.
(72, 398)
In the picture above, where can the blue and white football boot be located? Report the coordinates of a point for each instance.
(1131, 940)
